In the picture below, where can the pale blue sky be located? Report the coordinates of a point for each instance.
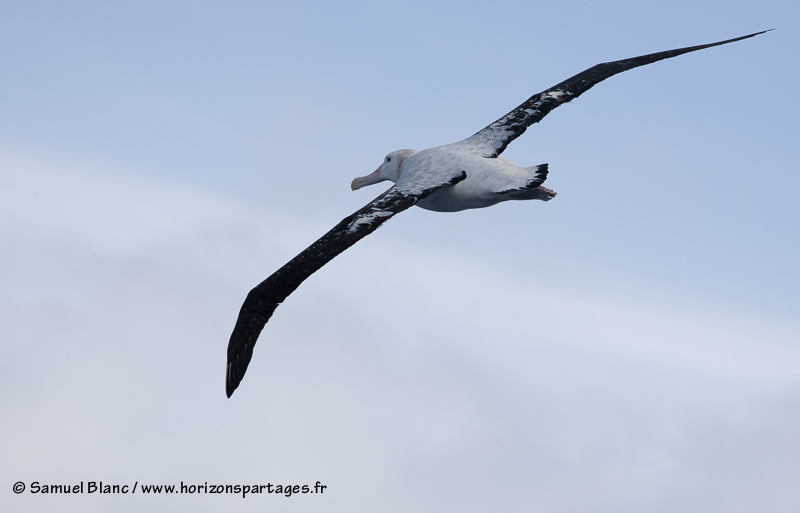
(633, 345)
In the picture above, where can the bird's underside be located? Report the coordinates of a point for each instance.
(428, 183)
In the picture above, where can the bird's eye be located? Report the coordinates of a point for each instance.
(388, 159)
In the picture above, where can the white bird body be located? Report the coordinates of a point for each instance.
(489, 180)
(459, 176)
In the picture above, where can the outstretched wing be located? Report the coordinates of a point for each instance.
(492, 140)
(262, 301)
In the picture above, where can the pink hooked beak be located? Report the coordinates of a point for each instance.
(363, 181)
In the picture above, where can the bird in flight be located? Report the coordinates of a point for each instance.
(459, 176)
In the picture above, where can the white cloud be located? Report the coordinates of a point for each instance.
(401, 376)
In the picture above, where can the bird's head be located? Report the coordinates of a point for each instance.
(390, 169)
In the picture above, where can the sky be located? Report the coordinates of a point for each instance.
(631, 346)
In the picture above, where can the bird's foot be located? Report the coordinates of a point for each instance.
(545, 194)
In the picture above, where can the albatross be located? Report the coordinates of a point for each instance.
(459, 176)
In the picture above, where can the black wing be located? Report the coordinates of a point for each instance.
(492, 140)
(262, 301)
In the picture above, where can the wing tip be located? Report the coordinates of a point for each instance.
(735, 39)
(754, 34)
(231, 383)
